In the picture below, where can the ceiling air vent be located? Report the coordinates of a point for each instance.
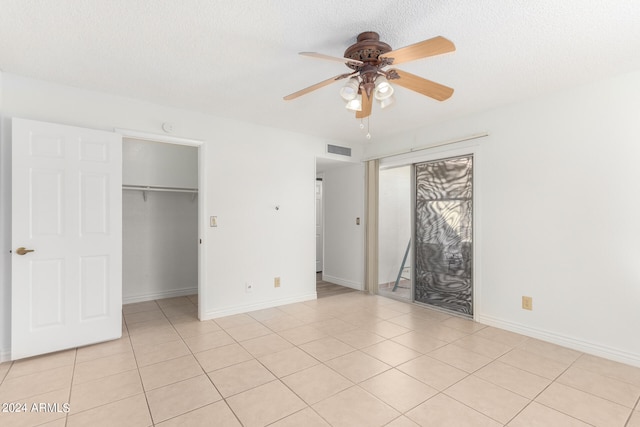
(336, 149)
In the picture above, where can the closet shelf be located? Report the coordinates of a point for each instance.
(158, 188)
(145, 188)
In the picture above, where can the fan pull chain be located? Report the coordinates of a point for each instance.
(368, 136)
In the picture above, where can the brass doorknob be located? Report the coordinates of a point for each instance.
(23, 251)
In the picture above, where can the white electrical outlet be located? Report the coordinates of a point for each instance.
(248, 287)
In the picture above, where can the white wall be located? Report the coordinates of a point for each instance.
(394, 221)
(249, 170)
(343, 202)
(159, 164)
(159, 245)
(559, 211)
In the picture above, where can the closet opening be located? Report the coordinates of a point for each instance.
(160, 221)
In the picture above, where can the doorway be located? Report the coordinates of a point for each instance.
(339, 220)
(425, 231)
(319, 228)
(159, 220)
(196, 193)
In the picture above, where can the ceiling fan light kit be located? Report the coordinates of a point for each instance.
(383, 88)
(367, 58)
(355, 104)
(387, 102)
(350, 90)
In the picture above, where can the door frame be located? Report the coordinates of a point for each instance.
(319, 180)
(5, 237)
(201, 146)
(456, 149)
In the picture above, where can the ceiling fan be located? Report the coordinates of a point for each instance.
(368, 57)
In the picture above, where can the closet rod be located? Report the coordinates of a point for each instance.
(154, 188)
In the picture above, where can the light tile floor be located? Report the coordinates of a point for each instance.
(403, 291)
(346, 360)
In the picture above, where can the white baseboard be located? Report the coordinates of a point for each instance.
(565, 341)
(342, 282)
(159, 295)
(5, 355)
(257, 306)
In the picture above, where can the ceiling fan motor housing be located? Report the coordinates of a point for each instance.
(367, 49)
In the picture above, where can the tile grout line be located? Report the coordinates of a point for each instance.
(472, 373)
(91, 360)
(73, 372)
(223, 399)
(442, 392)
(553, 381)
(595, 395)
(278, 378)
(633, 410)
(353, 384)
(11, 362)
(320, 362)
(144, 391)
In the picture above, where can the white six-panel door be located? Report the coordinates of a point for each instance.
(67, 209)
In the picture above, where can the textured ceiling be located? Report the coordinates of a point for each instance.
(239, 58)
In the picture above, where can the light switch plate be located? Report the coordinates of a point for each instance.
(213, 221)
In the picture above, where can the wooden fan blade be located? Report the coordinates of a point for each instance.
(367, 102)
(331, 58)
(316, 86)
(425, 87)
(435, 46)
